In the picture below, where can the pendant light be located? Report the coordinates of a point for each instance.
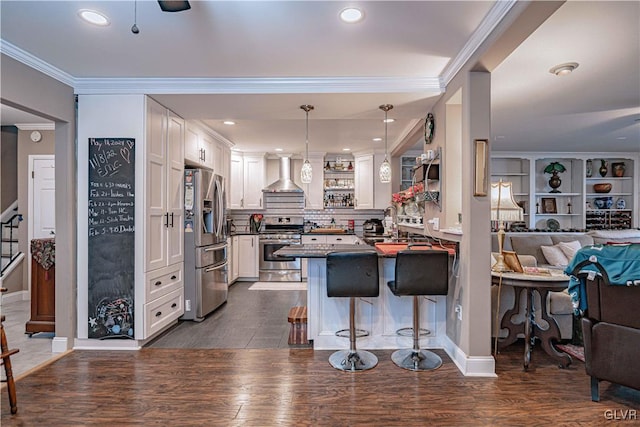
(385, 168)
(306, 172)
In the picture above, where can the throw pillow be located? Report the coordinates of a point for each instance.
(569, 249)
(555, 256)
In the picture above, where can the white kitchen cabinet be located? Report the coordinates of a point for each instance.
(235, 259)
(329, 239)
(363, 185)
(247, 256)
(199, 148)
(226, 173)
(159, 134)
(164, 166)
(247, 181)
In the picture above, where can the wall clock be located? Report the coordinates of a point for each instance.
(429, 128)
(36, 136)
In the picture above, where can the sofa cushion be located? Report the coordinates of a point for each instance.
(554, 255)
(560, 303)
(569, 249)
(584, 239)
(613, 236)
(530, 245)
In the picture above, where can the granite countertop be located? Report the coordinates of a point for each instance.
(319, 251)
(338, 233)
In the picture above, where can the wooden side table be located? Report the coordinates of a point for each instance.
(530, 328)
(43, 287)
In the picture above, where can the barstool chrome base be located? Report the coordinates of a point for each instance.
(416, 360)
(347, 360)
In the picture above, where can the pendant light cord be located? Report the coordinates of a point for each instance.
(306, 141)
(386, 123)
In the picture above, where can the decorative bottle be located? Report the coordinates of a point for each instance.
(603, 168)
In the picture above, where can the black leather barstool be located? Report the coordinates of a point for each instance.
(352, 275)
(418, 273)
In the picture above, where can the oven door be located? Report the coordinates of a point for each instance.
(270, 261)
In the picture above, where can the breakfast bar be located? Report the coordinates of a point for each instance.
(381, 316)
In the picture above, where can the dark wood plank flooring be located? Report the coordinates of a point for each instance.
(234, 369)
(298, 387)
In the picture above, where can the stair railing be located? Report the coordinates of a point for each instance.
(11, 224)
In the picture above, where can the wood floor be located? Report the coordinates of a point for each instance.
(287, 387)
(235, 369)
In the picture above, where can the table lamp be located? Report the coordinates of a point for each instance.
(503, 208)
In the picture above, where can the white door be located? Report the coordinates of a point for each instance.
(42, 196)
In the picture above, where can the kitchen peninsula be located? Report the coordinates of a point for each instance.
(381, 316)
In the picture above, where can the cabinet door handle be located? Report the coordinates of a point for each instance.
(166, 219)
(158, 283)
(260, 201)
(242, 202)
(173, 277)
(171, 219)
(158, 314)
(339, 239)
(174, 305)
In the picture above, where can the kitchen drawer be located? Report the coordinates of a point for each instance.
(163, 281)
(314, 239)
(341, 240)
(162, 311)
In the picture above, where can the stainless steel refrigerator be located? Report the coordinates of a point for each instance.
(205, 244)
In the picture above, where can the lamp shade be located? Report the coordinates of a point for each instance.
(503, 207)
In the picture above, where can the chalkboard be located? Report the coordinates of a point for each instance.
(111, 237)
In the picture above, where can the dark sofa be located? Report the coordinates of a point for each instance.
(611, 333)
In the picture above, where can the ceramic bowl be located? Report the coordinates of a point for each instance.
(603, 202)
(602, 187)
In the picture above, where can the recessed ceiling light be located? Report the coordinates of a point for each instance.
(346, 149)
(564, 69)
(351, 15)
(278, 149)
(377, 139)
(93, 17)
(621, 138)
(389, 120)
(229, 122)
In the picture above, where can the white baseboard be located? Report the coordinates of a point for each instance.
(59, 344)
(470, 366)
(92, 344)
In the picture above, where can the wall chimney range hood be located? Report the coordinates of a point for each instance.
(284, 184)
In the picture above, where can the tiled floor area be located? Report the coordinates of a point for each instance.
(249, 319)
(34, 350)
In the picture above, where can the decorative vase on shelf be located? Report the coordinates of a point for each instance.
(554, 181)
(589, 168)
(603, 168)
(618, 169)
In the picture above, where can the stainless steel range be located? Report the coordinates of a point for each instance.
(279, 232)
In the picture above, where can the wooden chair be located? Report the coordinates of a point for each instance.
(6, 361)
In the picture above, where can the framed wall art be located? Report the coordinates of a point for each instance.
(549, 205)
(481, 177)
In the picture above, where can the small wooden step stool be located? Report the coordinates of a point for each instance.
(298, 319)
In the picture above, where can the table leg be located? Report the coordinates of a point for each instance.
(506, 322)
(552, 333)
(528, 326)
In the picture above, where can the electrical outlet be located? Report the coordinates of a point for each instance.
(187, 305)
(435, 222)
(458, 309)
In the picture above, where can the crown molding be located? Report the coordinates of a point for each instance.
(488, 24)
(35, 62)
(36, 126)
(267, 85)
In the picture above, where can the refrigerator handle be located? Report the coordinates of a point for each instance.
(220, 212)
(218, 267)
(216, 247)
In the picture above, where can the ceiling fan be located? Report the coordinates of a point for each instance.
(174, 6)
